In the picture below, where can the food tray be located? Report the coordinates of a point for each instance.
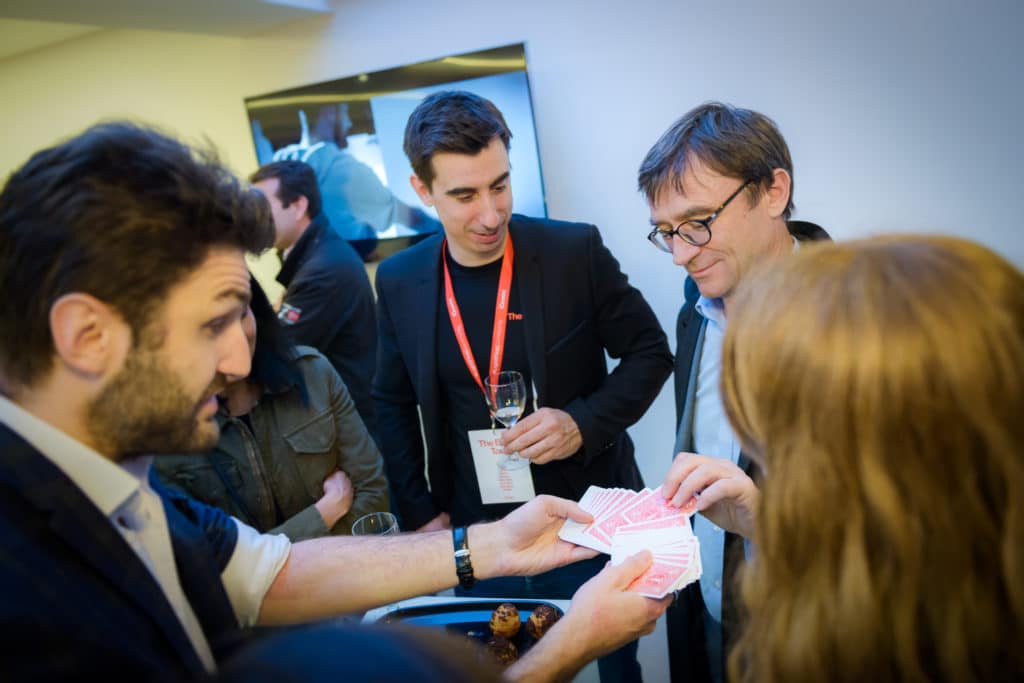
(471, 619)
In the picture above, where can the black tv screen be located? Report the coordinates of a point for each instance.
(350, 131)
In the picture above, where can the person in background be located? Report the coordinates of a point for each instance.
(340, 172)
(357, 203)
(293, 456)
(885, 410)
(328, 302)
(719, 185)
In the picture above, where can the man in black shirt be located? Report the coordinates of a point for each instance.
(499, 291)
(328, 302)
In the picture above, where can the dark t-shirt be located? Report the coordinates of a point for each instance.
(462, 399)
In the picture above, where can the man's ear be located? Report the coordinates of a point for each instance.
(88, 335)
(301, 204)
(777, 196)
(426, 196)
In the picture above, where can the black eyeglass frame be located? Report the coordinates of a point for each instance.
(658, 236)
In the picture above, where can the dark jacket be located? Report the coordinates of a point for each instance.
(578, 305)
(328, 304)
(687, 651)
(281, 464)
(77, 603)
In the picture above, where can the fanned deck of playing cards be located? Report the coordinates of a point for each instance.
(627, 522)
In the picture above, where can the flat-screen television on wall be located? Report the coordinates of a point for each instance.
(350, 131)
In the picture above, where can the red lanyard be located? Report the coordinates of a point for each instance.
(500, 315)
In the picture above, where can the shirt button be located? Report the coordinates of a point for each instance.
(718, 584)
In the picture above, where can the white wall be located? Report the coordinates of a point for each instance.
(188, 84)
(901, 114)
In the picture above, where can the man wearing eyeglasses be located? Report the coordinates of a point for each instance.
(719, 184)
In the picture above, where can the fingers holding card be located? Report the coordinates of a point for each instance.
(626, 522)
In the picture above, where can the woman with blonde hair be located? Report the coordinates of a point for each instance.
(880, 383)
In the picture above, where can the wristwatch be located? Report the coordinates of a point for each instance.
(463, 563)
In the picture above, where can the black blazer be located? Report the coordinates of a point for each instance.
(579, 305)
(77, 603)
(688, 656)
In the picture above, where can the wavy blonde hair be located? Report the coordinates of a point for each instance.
(881, 384)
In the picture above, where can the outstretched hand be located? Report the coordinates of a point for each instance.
(526, 541)
(725, 494)
(615, 616)
(603, 616)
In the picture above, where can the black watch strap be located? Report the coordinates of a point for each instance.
(463, 563)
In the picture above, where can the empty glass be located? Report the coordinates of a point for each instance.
(375, 524)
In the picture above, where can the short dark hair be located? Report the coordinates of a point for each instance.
(121, 212)
(734, 142)
(451, 121)
(295, 179)
(273, 363)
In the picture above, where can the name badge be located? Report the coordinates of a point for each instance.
(498, 485)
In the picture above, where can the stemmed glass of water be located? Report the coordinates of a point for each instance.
(506, 398)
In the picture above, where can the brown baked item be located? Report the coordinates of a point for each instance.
(503, 649)
(541, 620)
(505, 620)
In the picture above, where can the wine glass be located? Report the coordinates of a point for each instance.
(506, 398)
(376, 524)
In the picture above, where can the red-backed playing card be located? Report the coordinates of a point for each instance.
(658, 580)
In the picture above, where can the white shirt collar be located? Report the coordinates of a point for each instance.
(107, 484)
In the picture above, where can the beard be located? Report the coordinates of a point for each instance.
(146, 408)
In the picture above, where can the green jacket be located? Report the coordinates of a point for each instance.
(281, 464)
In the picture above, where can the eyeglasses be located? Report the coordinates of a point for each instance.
(696, 231)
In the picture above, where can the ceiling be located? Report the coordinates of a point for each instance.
(31, 24)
